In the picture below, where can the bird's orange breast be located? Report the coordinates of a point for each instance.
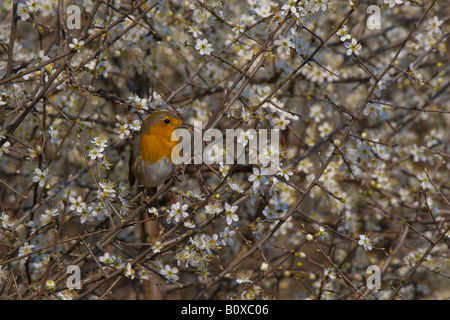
(153, 148)
(157, 144)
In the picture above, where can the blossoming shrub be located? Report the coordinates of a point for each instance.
(364, 146)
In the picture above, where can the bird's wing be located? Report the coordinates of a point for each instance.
(131, 177)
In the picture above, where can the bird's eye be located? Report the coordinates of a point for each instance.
(167, 121)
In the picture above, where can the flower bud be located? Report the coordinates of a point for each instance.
(50, 285)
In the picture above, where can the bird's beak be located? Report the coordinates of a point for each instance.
(184, 125)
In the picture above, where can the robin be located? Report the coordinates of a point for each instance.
(150, 159)
(151, 165)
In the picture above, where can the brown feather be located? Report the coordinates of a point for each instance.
(131, 177)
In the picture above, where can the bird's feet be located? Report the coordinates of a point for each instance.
(145, 201)
(176, 174)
